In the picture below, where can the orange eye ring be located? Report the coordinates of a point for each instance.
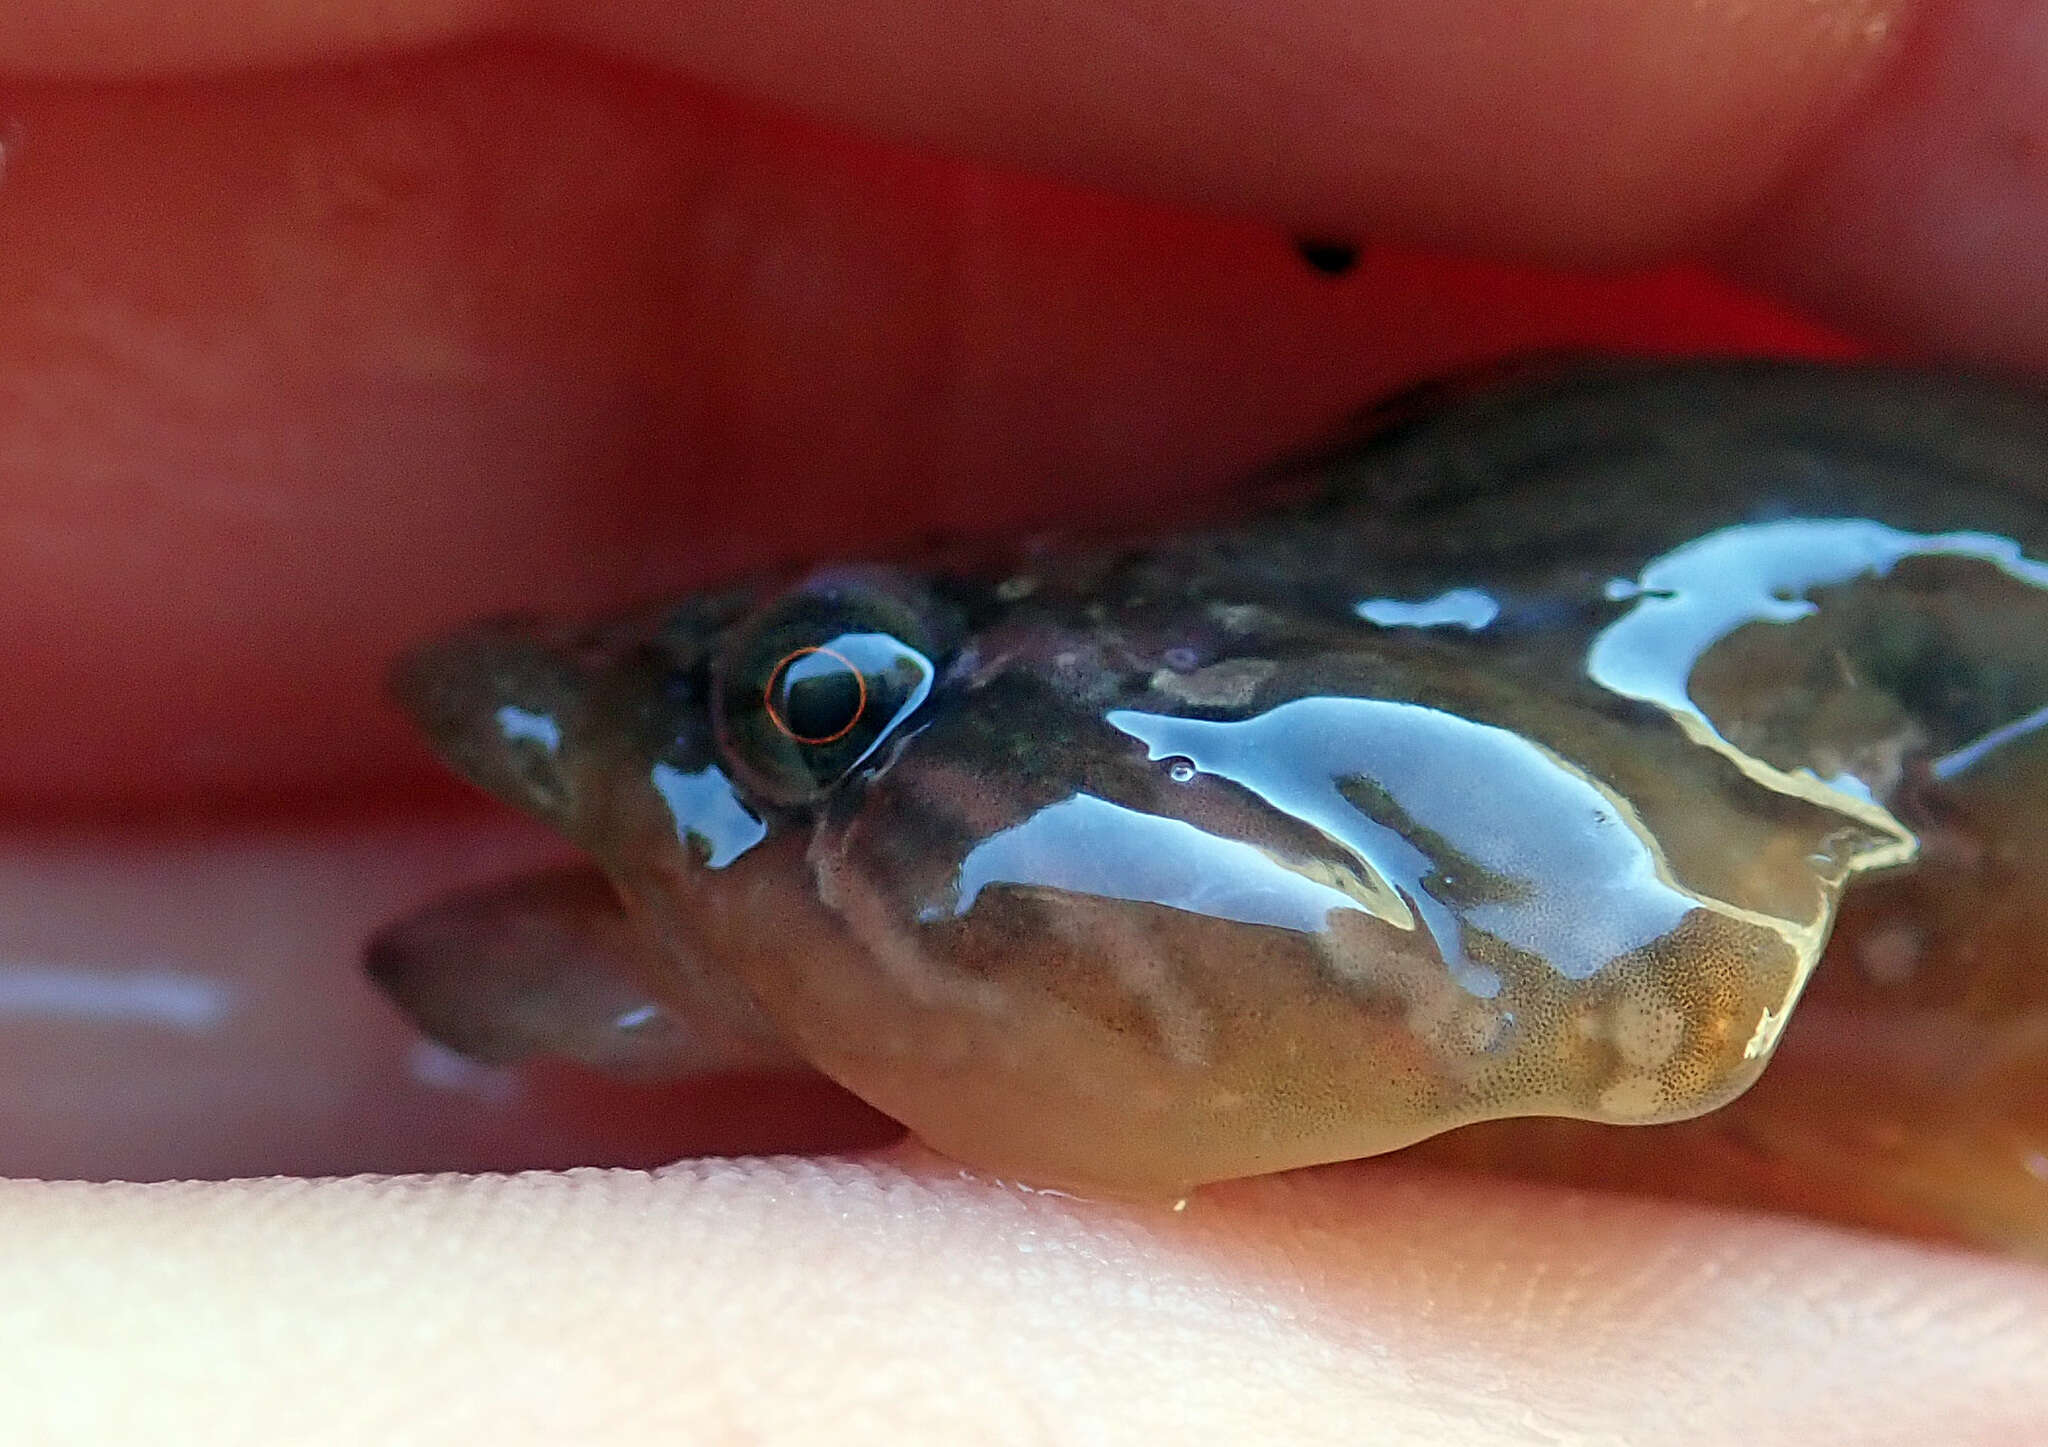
(775, 717)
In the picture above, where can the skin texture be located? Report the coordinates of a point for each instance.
(214, 516)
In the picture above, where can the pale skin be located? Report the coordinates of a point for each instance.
(229, 455)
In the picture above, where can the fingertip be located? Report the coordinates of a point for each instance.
(1926, 219)
(769, 1298)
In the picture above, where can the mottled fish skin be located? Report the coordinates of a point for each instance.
(1520, 770)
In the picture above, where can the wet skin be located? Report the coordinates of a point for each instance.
(1512, 761)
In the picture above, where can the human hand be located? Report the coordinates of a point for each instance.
(298, 368)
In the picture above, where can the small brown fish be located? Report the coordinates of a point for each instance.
(1521, 770)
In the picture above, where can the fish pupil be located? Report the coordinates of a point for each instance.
(816, 696)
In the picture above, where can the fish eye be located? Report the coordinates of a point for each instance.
(815, 695)
(814, 684)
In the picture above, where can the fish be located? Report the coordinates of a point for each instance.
(1528, 762)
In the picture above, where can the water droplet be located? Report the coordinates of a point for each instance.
(1504, 1030)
